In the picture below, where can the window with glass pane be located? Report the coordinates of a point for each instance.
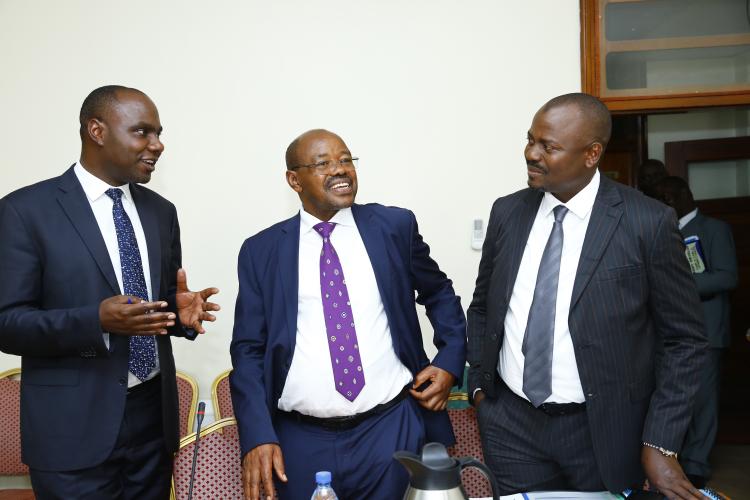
(661, 47)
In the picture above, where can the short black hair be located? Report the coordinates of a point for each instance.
(291, 151)
(653, 162)
(594, 110)
(674, 184)
(98, 101)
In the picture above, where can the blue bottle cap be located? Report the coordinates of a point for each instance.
(323, 477)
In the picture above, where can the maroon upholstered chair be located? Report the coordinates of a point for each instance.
(468, 444)
(217, 471)
(221, 397)
(187, 393)
(10, 433)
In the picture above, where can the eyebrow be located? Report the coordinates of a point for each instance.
(342, 152)
(148, 126)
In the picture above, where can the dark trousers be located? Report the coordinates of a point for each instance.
(701, 434)
(140, 467)
(360, 459)
(528, 450)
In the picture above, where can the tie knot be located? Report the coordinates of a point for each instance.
(324, 228)
(560, 212)
(114, 193)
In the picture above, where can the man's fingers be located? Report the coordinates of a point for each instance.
(252, 478)
(278, 465)
(419, 396)
(207, 292)
(181, 281)
(422, 377)
(267, 475)
(211, 306)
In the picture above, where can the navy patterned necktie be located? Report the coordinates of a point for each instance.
(142, 358)
(337, 311)
(540, 328)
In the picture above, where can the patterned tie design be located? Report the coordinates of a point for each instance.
(540, 328)
(142, 358)
(337, 310)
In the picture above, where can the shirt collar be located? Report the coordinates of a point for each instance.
(94, 187)
(343, 217)
(580, 204)
(685, 219)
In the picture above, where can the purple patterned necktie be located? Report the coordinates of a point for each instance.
(337, 311)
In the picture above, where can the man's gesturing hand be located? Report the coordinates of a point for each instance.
(258, 466)
(129, 315)
(193, 307)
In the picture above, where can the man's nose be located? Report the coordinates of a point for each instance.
(156, 145)
(531, 153)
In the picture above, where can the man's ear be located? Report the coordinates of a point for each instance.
(96, 129)
(293, 180)
(594, 154)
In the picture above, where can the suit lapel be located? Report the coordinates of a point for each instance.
(605, 216)
(74, 203)
(519, 230)
(374, 240)
(150, 223)
(288, 269)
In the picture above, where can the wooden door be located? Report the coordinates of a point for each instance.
(734, 412)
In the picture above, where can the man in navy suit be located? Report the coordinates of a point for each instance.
(710, 247)
(329, 369)
(91, 291)
(585, 337)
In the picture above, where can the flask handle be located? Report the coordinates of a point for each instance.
(473, 462)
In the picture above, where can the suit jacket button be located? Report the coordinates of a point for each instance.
(493, 336)
(123, 381)
(487, 376)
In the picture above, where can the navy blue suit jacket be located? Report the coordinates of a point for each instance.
(265, 325)
(634, 321)
(54, 273)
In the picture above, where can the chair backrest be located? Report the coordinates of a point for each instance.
(187, 393)
(217, 471)
(10, 430)
(468, 444)
(221, 397)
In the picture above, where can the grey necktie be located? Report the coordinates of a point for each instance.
(540, 328)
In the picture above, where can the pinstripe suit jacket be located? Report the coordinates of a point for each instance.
(634, 320)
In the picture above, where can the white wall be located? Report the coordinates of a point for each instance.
(435, 96)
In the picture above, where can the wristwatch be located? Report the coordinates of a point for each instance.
(663, 451)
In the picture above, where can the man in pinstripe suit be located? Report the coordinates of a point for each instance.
(585, 338)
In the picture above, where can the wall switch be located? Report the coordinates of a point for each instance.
(477, 234)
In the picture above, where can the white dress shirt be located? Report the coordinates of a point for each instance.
(101, 205)
(685, 219)
(566, 383)
(309, 387)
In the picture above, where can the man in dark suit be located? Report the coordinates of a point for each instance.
(585, 340)
(90, 292)
(711, 254)
(327, 351)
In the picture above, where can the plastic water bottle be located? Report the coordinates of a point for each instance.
(323, 491)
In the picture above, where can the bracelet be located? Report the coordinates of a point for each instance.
(661, 450)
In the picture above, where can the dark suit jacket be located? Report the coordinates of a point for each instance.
(265, 326)
(54, 272)
(633, 296)
(720, 276)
